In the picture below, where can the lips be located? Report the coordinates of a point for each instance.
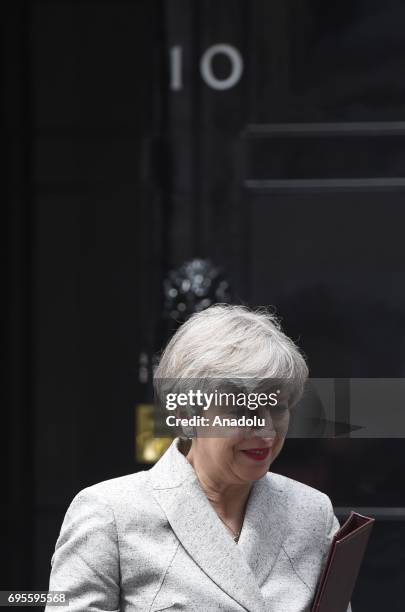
(257, 454)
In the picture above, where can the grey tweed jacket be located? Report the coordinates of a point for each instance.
(151, 541)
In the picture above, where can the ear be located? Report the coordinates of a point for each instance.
(189, 432)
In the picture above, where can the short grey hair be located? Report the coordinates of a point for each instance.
(231, 341)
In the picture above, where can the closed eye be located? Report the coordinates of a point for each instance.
(278, 411)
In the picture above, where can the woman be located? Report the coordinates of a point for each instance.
(208, 527)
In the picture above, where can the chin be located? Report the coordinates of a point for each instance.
(258, 472)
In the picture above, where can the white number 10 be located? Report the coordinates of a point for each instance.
(206, 71)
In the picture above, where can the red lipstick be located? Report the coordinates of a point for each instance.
(257, 454)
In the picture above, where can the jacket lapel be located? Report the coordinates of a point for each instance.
(195, 523)
(264, 526)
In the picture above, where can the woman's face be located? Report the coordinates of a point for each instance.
(246, 454)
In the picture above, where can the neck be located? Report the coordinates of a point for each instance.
(228, 499)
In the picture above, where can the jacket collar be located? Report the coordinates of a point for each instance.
(238, 569)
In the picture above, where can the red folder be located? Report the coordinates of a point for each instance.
(342, 566)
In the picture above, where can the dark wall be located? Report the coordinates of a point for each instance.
(126, 162)
(16, 500)
(96, 81)
(84, 119)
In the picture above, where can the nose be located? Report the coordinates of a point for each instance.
(264, 424)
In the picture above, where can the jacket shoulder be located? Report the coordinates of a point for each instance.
(117, 493)
(300, 495)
